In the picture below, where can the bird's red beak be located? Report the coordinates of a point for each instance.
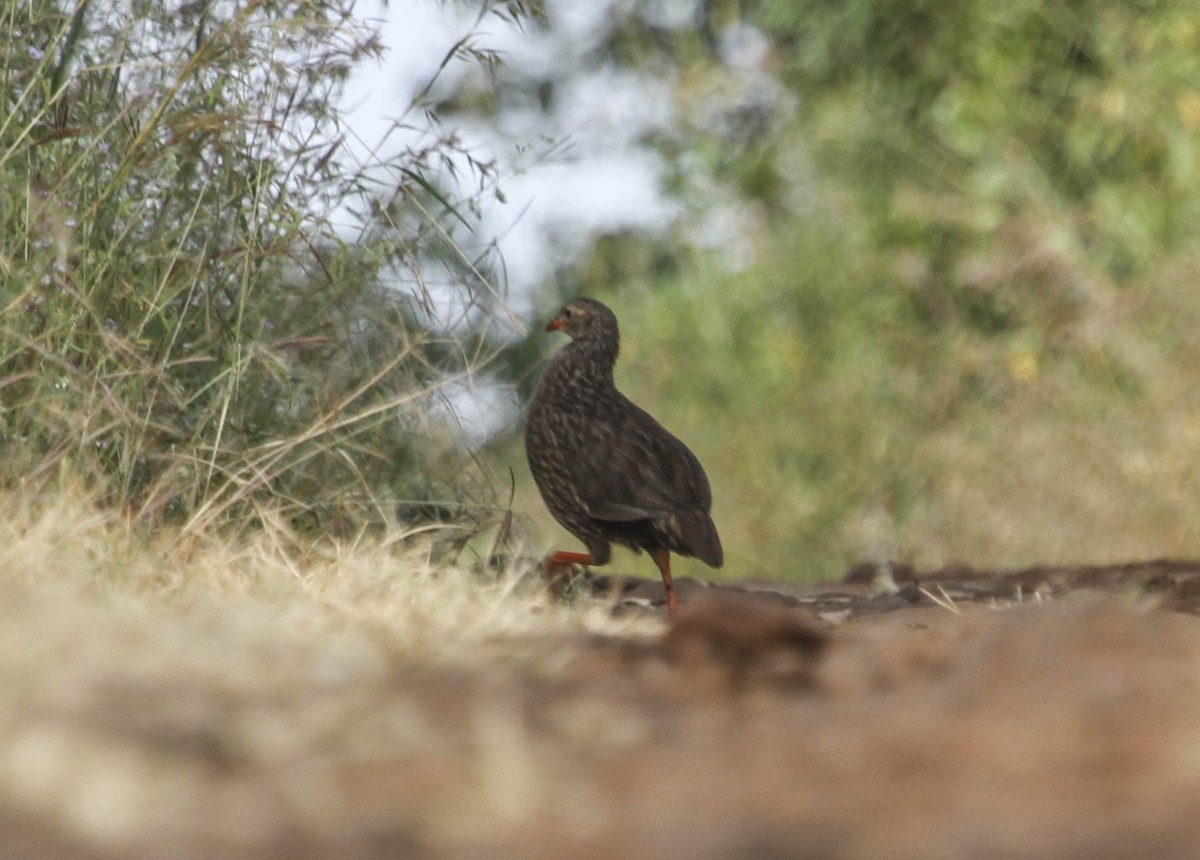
(556, 324)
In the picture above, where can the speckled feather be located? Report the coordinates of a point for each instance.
(606, 469)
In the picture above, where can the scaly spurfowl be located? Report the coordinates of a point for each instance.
(608, 472)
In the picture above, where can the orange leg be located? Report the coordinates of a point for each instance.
(562, 558)
(557, 568)
(662, 558)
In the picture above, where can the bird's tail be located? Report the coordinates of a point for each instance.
(697, 535)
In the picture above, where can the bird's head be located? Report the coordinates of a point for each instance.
(586, 319)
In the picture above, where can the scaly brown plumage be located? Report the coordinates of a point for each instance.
(608, 472)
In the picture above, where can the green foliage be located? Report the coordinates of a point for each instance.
(1000, 143)
(955, 319)
(181, 321)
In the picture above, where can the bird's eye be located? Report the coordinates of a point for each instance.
(568, 313)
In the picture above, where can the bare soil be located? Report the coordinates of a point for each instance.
(1042, 713)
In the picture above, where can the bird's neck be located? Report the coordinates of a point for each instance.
(589, 363)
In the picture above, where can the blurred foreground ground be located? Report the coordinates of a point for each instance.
(1048, 713)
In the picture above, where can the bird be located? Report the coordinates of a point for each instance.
(607, 470)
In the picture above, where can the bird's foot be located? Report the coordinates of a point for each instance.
(559, 570)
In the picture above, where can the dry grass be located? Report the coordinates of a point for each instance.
(134, 670)
(63, 548)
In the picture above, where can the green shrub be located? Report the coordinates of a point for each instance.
(181, 321)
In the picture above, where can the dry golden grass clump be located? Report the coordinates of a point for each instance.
(62, 546)
(138, 673)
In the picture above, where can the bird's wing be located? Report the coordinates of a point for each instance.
(615, 512)
(631, 468)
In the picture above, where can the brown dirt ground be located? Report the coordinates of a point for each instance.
(1051, 712)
